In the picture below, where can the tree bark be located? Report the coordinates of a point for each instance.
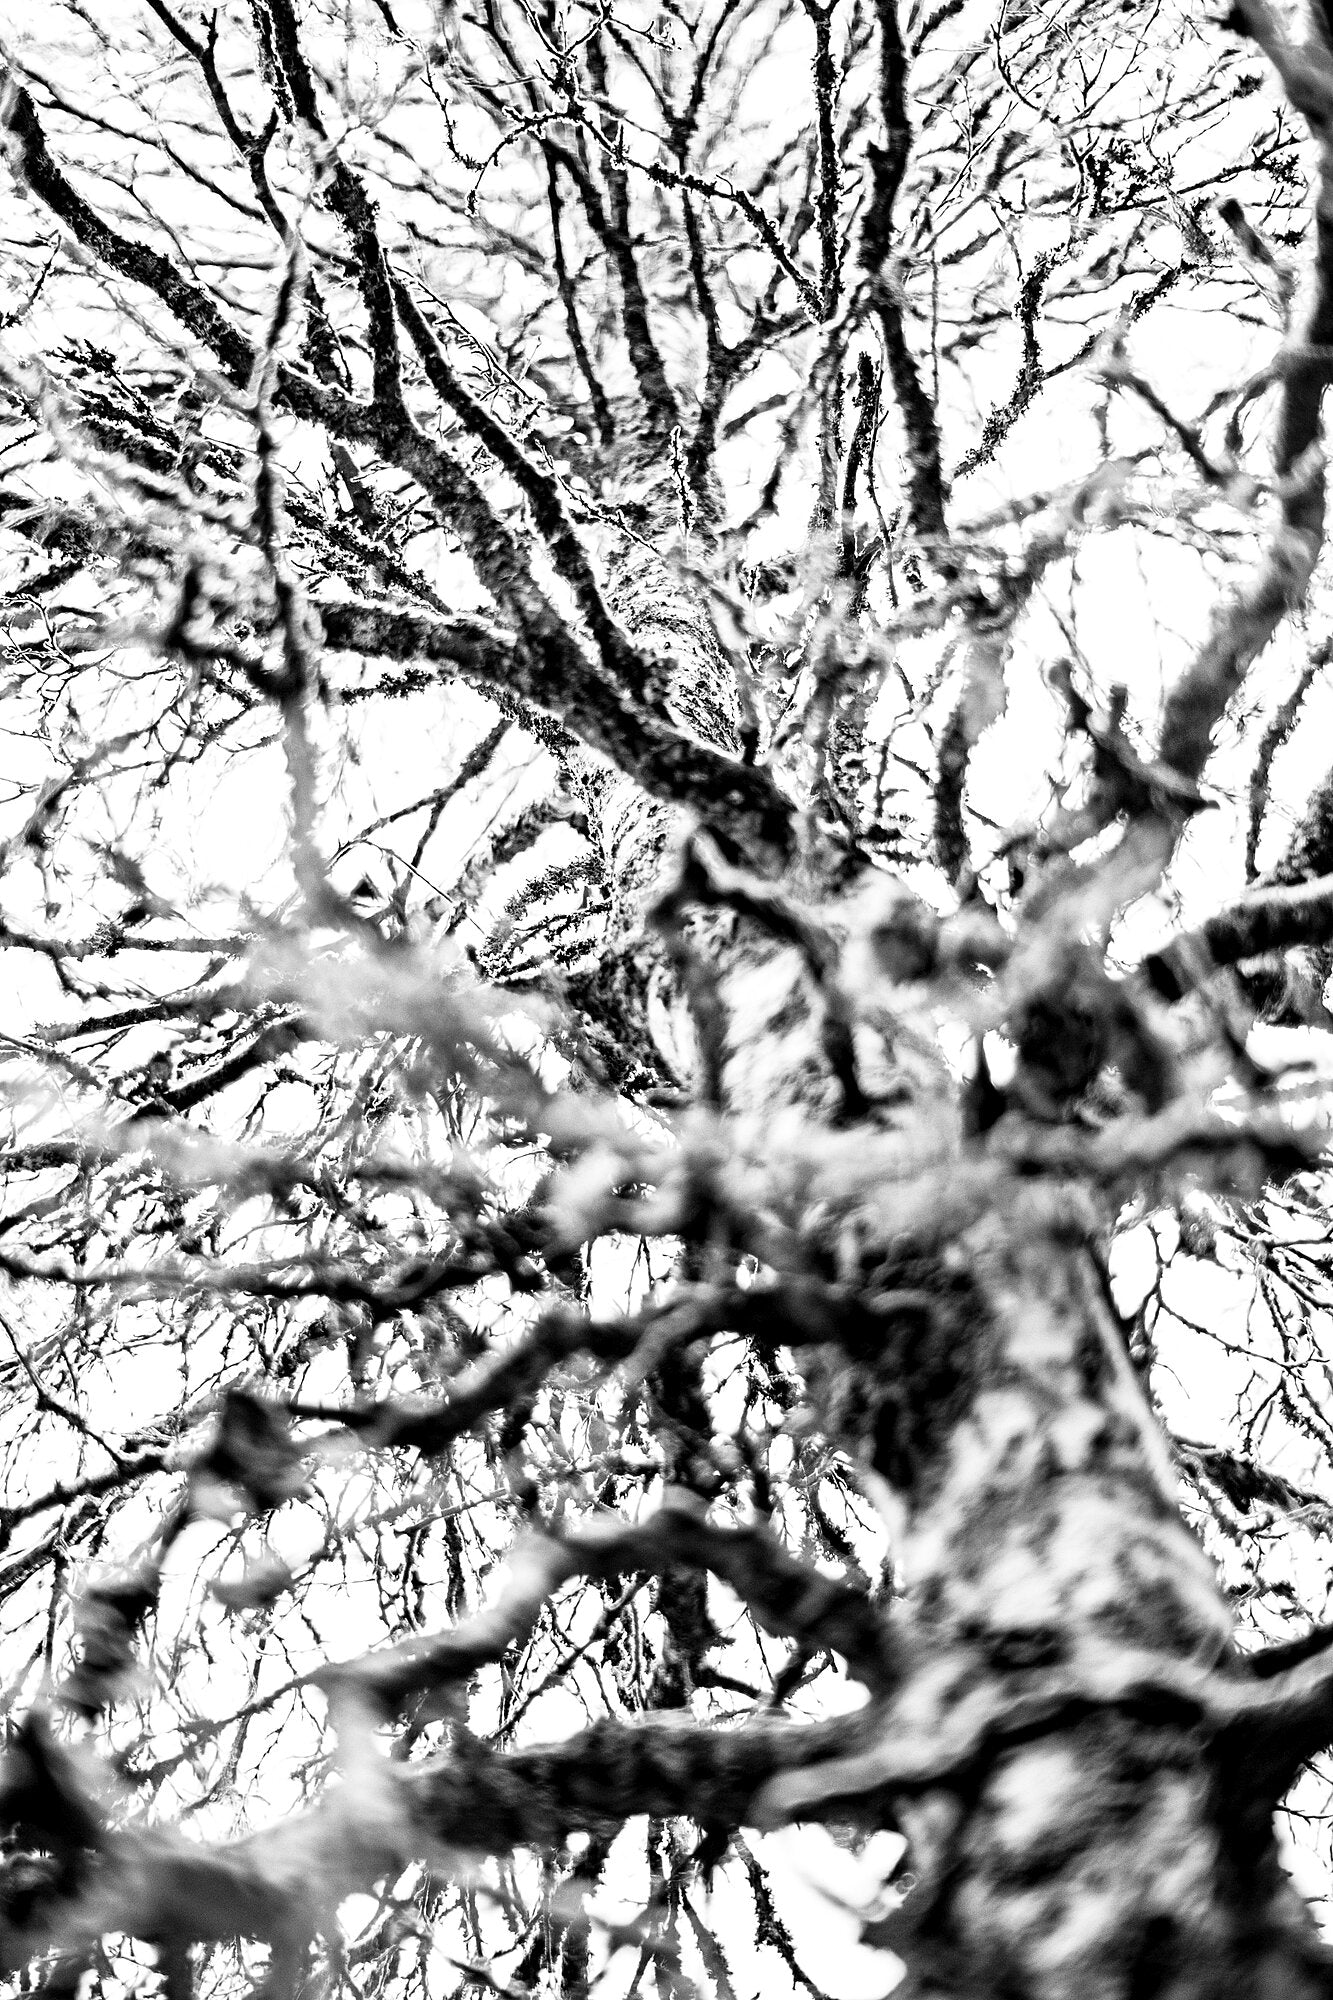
(1075, 1830)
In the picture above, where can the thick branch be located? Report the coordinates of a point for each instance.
(1246, 623)
(280, 1884)
(137, 261)
(888, 164)
(1266, 920)
(1281, 1723)
(349, 201)
(739, 802)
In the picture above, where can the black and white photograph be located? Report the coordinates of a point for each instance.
(666, 1000)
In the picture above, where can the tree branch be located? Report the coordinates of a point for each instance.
(349, 201)
(1265, 920)
(1244, 625)
(740, 802)
(283, 1882)
(888, 164)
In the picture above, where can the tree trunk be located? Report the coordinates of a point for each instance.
(1073, 1832)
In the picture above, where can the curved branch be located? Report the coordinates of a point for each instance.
(1266, 920)
(280, 1884)
(740, 802)
(1244, 625)
(1279, 1725)
(283, 1883)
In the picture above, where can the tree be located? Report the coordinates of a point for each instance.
(645, 868)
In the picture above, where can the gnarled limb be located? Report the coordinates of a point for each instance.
(1269, 919)
(286, 1880)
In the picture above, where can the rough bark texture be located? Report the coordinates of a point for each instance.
(1096, 1852)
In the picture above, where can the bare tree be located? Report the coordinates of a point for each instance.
(663, 1071)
